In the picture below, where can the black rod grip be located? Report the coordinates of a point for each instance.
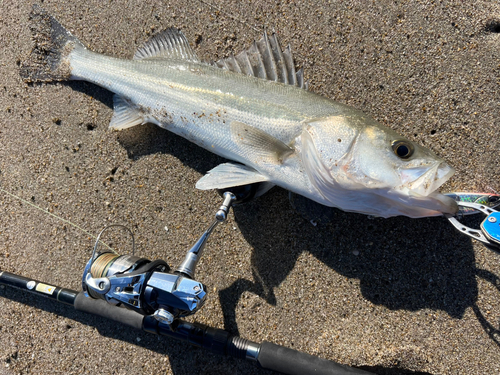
(102, 308)
(292, 362)
(52, 292)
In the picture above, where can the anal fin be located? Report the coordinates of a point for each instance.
(125, 115)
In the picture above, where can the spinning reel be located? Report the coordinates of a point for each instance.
(148, 287)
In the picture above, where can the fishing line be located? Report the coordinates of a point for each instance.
(57, 217)
(229, 15)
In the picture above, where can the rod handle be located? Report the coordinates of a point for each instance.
(288, 361)
(102, 308)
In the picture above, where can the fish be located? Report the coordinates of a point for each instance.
(254, 109)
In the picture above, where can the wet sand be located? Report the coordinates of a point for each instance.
(393, 296)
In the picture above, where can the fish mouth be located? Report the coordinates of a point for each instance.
(426, 180)
(421, 184)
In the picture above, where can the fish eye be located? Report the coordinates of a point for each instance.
(402, 149)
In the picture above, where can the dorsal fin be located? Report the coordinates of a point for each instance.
(265, 59)
(170, 43)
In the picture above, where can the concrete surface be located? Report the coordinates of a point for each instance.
(392, 296)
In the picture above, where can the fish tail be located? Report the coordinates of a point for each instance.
(48, 60)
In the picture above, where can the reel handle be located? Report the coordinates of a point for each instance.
(188, 266)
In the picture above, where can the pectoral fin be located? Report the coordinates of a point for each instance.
(257, 145)
(228, 175)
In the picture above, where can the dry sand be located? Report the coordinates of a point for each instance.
(393, 296)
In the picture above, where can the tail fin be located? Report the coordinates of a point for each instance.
(48, 60)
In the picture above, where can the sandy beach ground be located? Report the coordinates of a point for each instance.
(393, 296)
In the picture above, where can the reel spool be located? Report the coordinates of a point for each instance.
(108, 264)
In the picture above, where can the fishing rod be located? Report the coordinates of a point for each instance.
(145, 295)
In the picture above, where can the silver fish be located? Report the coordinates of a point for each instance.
(255, 110)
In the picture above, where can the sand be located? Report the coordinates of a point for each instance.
(393, 296)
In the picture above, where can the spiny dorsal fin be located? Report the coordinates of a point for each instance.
(170, 43)
(265, 59)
